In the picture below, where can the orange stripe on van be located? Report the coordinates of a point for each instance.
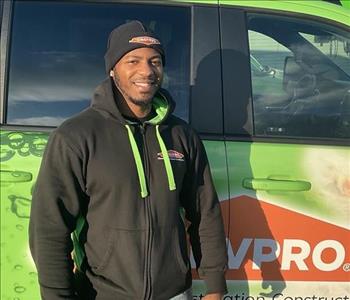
(274, 243)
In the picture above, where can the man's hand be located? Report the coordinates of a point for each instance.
(216, 296)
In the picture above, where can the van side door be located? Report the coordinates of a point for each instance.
(286, 80)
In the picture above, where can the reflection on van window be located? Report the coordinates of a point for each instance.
(57, 50)
(300, 78)
(337, 48)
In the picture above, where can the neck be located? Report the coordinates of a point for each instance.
(139, 111)
(129, 109)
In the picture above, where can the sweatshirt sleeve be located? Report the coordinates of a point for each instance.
(206, 228)
(55, 206)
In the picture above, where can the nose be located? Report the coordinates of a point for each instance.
(146, 69)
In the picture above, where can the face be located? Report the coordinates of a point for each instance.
(138, 75)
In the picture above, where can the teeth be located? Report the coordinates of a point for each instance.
(142, 83)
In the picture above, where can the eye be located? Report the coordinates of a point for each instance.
(132, 62)
(156, 62)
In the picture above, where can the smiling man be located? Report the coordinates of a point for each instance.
(138, 75)
(113, 184)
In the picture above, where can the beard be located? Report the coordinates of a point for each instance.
(141, 102)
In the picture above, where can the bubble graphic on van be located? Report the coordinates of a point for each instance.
(24, 144)
(6, 153)
(19, 227)
(20, 206)
(8, 176)
(18, 267)
(20, 156)
(19, 289)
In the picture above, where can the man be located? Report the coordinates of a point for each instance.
(119, 174)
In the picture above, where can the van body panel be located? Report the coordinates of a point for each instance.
(289, 219)
(313, 8)
(287, 237)
(21, 153)
(345, 3)
(285, 200)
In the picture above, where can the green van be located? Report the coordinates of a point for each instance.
(266, 84)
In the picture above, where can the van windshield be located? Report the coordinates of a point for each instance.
(335, 46)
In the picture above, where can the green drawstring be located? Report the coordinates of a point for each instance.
(138, 161)
(168, 168)
(139, 165)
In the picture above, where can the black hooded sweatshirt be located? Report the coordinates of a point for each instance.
(118, 193)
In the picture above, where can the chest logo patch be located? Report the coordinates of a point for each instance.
(173, 155)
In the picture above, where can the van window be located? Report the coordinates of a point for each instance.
(300, 74)
(57, 50)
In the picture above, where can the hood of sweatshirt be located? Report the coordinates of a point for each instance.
(104, 101)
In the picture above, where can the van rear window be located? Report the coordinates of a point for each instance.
(57, 50)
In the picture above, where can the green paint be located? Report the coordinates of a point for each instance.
(346, 3)
(20, 158)
(321, 9)
(307, 178)
(217, 161)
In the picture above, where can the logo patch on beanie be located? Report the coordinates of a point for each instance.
(146, 40)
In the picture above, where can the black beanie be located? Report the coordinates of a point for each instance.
(128, 37)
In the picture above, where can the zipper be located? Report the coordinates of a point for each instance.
(149, 238)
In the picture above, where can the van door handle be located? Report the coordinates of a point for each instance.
(267, 184)
(15, 176)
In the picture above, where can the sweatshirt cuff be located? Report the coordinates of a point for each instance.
(216, 283)
(57, 293)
